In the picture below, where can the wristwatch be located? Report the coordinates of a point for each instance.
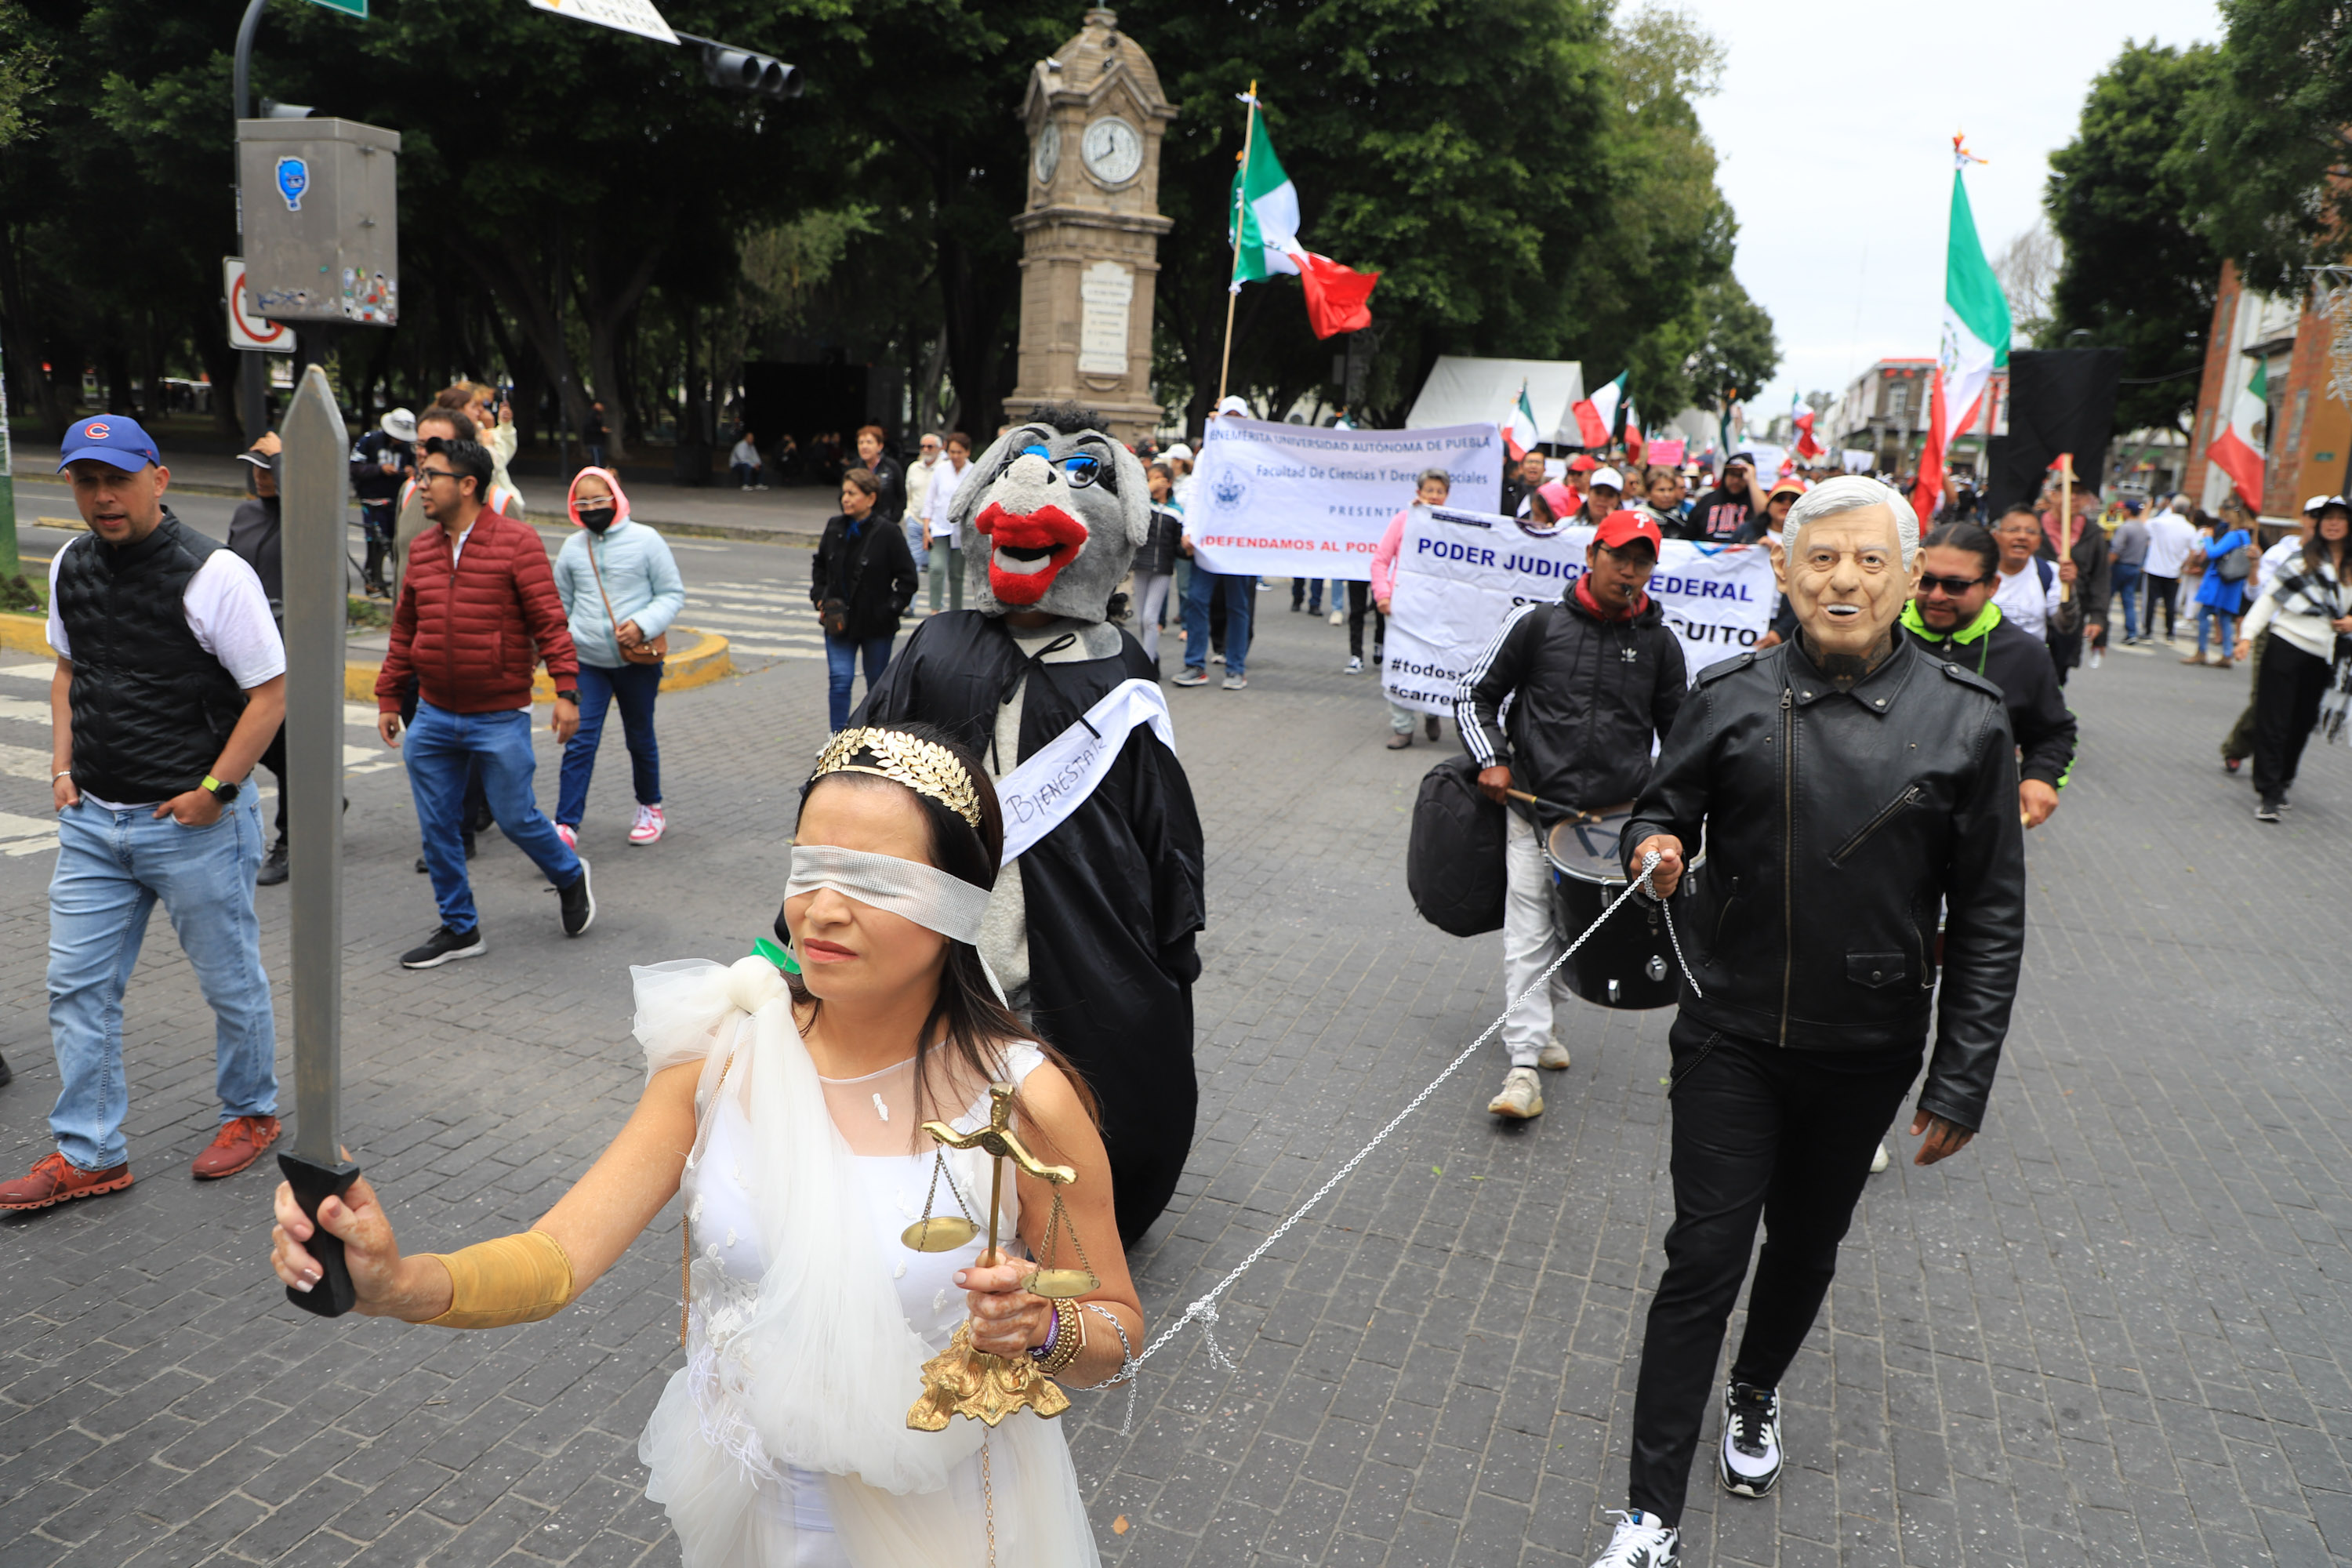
(223, 793)
(567, 697)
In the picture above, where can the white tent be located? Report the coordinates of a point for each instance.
(1483, 390)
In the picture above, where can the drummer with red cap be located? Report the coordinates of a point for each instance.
(1590, 680)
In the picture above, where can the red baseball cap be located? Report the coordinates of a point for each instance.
(1581, 463)
(1620, 528)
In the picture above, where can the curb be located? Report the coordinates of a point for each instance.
(702, 662)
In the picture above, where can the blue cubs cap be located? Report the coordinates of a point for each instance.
(113, 438)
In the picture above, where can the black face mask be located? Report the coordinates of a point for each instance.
(594, 519)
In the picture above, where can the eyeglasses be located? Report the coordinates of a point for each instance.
(1951, 587)
(428, 474)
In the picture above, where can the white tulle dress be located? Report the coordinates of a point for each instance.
(783, 1443)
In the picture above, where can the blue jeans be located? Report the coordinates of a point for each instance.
(633, 686)
(2213, 616)
(2126, 589)
(112, 866)
(1241, 597)
(840, 671)
(440, 748)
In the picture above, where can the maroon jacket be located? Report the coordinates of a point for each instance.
(470, 633)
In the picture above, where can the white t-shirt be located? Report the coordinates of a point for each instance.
(2275, 560)
(946, 478)
(226, 611)
(2024, 602)
(2168, 534)
(745, 453)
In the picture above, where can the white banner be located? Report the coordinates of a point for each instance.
(1298, 501)
(636, 16)
(1459, 573)
(1059, 776)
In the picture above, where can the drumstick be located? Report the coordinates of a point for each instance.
(1548, 805)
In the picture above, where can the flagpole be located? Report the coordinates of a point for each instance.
(1233, 283)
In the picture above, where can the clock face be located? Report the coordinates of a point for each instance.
(1113, 150)
(1049, 151)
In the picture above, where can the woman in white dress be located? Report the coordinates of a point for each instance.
(788, 1111)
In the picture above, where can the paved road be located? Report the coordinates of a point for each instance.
(2114, 1330)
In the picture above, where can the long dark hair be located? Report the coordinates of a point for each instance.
(981, 1030)
(2315, 549)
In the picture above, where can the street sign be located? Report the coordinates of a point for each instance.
(246, 330)
(348, 8)
(636, 16)
(316, 485)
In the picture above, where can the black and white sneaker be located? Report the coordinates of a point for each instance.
(1751, 1440)
(1641, 1541)
(2267, 811)
(579, 902)
(442, 946)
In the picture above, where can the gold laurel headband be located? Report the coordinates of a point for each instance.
(924, 766)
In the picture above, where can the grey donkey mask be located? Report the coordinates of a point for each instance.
(1051, 523)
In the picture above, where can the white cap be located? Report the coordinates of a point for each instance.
(1178, 450)
(1610, 476)
(1233, 405)
(400, 425)
(2316, 502)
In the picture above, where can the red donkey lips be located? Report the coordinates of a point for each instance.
(1030, 549)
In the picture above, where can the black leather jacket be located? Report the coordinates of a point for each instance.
(1838, 824)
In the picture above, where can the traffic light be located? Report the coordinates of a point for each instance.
(742, 70)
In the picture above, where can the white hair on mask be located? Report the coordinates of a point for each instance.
(1853, 492)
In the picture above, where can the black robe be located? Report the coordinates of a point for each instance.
(1113, 895)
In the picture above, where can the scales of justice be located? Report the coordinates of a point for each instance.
(961, 1380)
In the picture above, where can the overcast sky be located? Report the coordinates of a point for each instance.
(1834, 128)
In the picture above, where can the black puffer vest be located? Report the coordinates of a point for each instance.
(151, 709)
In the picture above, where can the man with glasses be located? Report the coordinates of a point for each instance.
(1953, 618)
(477, 609)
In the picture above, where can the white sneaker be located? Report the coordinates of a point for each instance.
(1522, 1096)
(1553, 1055)
(1750, 1459)
(1339, 617)
(1355, 666)
(1216, 657)
(1880, 1161)
(1641, 1541)
(647, 828)
(570, 835)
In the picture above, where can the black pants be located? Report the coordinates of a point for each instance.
(274, 759)
(2164, 590)
(1360, 598)
(2287, 692)
(1757, 1130)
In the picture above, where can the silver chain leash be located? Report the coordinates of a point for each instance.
(1204, 1308)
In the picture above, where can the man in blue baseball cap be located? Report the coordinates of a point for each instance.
(171, 681)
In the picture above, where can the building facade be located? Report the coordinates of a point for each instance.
(2305, 434)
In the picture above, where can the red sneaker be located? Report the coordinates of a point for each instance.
(56, 1180)
(238, 1144)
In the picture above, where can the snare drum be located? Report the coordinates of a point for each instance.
(1629, 962)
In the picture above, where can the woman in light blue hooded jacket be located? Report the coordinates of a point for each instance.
(640, 594)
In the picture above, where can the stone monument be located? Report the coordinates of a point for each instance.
(1091, 229)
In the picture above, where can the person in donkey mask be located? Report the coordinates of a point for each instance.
(1091, 926)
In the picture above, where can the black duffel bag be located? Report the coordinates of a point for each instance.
(1453, 866)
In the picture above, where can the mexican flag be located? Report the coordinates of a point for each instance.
(1801, 419)
(2236, 450)
(1596, 416)
(1262, 220)
(1519, 427)
(1634, 442)
(1975, 344)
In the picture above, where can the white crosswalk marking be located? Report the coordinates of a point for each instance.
(761, 618)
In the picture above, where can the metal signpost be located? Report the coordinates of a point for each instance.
(315, 485)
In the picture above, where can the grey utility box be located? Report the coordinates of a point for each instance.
(321, 220)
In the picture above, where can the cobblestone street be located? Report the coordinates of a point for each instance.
(2116, 1330)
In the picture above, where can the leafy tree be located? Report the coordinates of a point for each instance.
(2269, 137)
(2135, 275)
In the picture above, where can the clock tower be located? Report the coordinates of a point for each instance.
(1091, 228)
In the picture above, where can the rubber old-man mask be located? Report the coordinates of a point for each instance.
(1846, 579)
(1054, 518)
